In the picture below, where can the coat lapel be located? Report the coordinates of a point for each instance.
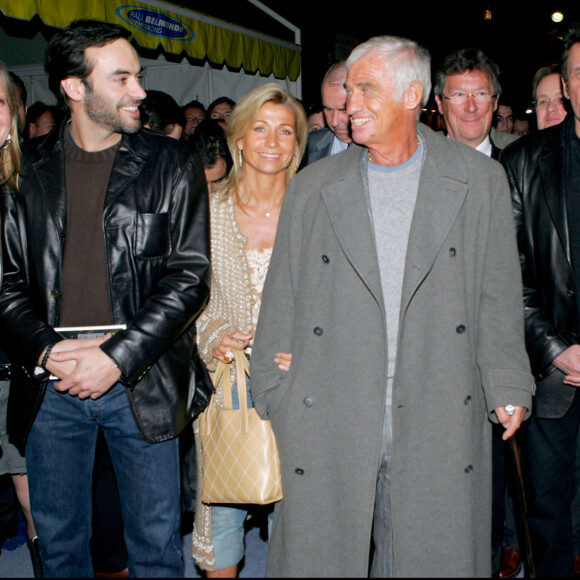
(550, 165)
(348, 211)
(49, 170)
(442, 191)
(131, 158)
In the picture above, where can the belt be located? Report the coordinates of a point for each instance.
(5, 372)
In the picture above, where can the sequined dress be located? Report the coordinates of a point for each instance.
(237, 281)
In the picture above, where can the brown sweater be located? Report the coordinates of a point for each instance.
(85, 297)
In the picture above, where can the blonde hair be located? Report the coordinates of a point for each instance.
(244, 115)
(10, 155)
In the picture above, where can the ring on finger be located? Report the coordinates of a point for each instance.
(229, 356)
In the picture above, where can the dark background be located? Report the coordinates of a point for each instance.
(520, 37)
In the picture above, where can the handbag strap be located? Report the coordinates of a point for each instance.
(242, 368)
(223, 373)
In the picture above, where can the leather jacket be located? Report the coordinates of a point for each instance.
(535, 170)
(155, 223)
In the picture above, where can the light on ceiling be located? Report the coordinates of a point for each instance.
(557, 16)
(487, 15)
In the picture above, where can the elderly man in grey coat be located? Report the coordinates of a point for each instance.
(396, 285)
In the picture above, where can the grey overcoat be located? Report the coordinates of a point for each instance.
(460, 354)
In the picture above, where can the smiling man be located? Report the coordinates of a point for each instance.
(110, 227)
(466, 92)
(394, 283)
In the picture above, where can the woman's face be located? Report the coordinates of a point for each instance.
(5, 117)
(270, 143)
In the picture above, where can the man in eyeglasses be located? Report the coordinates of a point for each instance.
(549, 103)
(467, 90)
(505, 118)
(544, 174)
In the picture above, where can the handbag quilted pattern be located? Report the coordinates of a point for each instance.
(239, 452)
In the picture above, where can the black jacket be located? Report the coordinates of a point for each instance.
(155, 223)
(535, 170)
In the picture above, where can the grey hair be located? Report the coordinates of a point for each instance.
(405, 60)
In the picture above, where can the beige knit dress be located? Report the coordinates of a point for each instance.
(237, 280)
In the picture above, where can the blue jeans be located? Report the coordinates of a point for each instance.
(227, 532)
(60, 455)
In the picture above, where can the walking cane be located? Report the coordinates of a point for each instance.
(521, 511)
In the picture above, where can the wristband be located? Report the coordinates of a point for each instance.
(46, 355)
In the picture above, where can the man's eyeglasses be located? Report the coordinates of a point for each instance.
(480, 97)
(544, 103)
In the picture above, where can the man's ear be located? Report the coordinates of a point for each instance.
(565, 88)
(414, 95)
(438, 101)
(74, 88)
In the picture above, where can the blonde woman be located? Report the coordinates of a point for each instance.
(267, 136)
(11, 460)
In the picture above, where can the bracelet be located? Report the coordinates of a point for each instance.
(46, 355)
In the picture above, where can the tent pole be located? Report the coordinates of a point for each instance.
(290, 26)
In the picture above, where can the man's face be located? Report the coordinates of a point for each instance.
(334, 107)
(572, 87)
(521, 127)
(193, 117)
(113, 92)
(550, 109)
(505, 119)
(375, 115)
(315, 122)
(215, 175)
(470, 121)
(43, 125)
(222, 111)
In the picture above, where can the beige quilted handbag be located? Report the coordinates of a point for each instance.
(239, 451)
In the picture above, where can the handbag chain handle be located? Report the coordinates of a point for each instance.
(223, 372)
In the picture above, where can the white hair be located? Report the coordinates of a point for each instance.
(405, 60)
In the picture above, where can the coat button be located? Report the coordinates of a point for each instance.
(318, 331)
(308, 401)
(299, 471)
(460, 329)
(570, 292)
(325, 258)
(467, 401)
(452, 252)
(55, 293)
(468, 469)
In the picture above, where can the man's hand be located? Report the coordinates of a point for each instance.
(569, 363)
(511, 423)
(84, 369)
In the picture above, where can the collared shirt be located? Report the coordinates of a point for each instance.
(337, 146)
(485, 146)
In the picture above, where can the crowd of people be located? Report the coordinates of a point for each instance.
(406, 297)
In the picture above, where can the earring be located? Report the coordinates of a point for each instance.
(240, 157)
(293, 167)
(7, 142)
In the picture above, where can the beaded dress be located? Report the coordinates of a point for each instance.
(237, 281)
